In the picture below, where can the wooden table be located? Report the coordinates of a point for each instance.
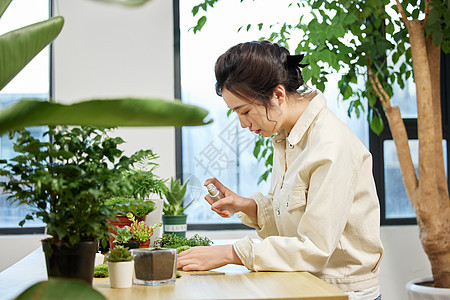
(236, 283)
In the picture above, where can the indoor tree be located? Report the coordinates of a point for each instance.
(376, 45)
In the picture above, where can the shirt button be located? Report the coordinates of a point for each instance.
(291, 146)
(278, 211)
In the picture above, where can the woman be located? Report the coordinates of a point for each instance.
(322, 213)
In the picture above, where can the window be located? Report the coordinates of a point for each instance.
(223, 149)
(32, 82)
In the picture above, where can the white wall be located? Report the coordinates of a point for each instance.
(111, 51)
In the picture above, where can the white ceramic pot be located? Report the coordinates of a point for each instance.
(121, 274)
(422, 292)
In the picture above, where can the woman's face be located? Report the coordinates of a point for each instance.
(254, 116)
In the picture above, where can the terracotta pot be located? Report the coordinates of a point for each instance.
(419, 290)
(144, 244)
(121, 221)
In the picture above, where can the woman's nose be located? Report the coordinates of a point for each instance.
(244, 122)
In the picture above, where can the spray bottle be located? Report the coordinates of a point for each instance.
(216, 195)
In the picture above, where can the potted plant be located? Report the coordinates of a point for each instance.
(66, 181)
(174, 219)
(124, 237)
(141, 231)
(155, 266)
(144, 183)
(120, 267)
(124, 205)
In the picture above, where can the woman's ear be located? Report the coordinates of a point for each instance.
(279, 94)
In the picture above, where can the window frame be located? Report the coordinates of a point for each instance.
(37, 229)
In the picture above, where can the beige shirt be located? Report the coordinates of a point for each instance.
(321, 214)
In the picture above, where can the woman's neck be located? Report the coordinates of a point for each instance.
(295, 106)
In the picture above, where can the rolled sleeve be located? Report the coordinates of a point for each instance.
(265, 223)
(244, 250)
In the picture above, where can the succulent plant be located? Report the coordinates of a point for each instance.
(119, 254)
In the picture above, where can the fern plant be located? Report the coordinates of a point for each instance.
(174, 198)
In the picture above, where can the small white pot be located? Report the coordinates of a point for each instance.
(421, 292)
(121, 274)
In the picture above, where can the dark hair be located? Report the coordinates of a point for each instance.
(252, 70)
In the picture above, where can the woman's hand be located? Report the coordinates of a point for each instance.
(207, 258)
(231, 199)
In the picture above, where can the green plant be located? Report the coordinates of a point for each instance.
(174, 198)
(123, 235)
(101, 271)
(171, 240)
(118, 254)
(143, 179)
(377, 45)
(66, 181)
(137, 206)
(141, 231)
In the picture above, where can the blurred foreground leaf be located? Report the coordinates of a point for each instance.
(104, 113)
(60, 289)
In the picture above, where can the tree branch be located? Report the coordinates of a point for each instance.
(402, 12)
(427, 11)
(379, 90)
(400, 137)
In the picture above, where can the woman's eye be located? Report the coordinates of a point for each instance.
(244, 114)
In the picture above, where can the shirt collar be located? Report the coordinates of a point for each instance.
(304, 122)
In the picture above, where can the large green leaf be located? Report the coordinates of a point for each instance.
(3, 5)
(127, 2)
(56, 288)
(18, 47)
(105, 113)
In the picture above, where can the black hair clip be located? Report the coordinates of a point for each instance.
(294, 61)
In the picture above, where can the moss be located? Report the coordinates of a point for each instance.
(101, 271)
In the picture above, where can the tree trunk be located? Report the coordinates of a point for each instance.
(432, 207)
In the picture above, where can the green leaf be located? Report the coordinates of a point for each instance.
(195, 10)
(19, 47)
(200, 23)
(103, 113)
(376, 122)
(61, 289)
(3, 6)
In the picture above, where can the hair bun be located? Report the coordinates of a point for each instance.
(294, 61)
